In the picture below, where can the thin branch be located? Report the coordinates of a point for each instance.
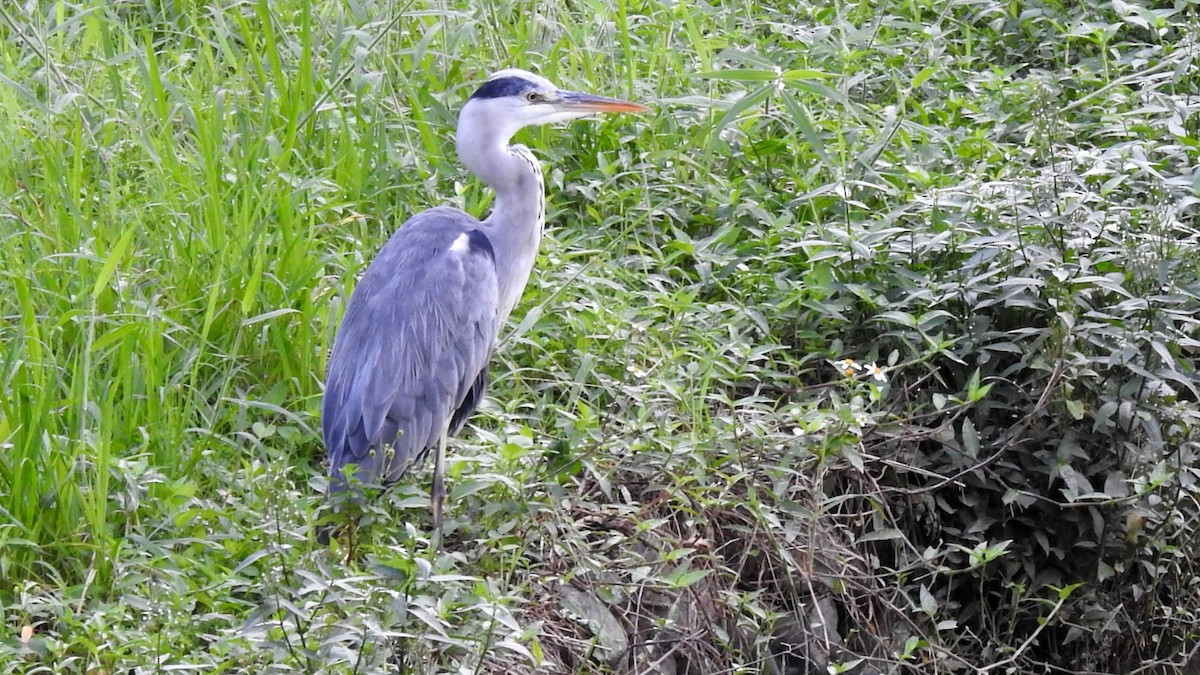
(1062, 599)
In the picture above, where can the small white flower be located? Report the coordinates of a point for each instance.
(848, 367)
(875, 372)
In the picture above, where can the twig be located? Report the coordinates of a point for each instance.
(1029, 640)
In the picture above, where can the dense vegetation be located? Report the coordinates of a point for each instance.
(676, 472)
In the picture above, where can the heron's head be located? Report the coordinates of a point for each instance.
(513, 98)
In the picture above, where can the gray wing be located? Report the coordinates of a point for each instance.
(410, 358)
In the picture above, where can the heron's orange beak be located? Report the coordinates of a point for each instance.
(576, 102)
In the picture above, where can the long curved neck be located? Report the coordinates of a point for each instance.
(515, 224)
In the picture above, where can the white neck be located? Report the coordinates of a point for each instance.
(515, 224)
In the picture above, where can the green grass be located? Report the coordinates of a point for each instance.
(997, 201)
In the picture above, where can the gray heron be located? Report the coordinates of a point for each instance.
(410, 359)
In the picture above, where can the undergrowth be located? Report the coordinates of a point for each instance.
(989, 209)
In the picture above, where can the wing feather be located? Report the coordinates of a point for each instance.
(410, 358)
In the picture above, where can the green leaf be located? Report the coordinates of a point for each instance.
(802, 121)
(970, 438)
(975, 391)
(929, 604)
(741, 105)
(115, 256)
(1077, 409)
(805, 74)
(682, 578)
(611, 640)
(741, 75)
(886, 534)
(895, 316)
(923, 76)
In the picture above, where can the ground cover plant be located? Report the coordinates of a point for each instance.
(871, 349)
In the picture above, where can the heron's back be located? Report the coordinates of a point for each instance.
(411, 354)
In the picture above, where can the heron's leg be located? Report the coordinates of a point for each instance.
(438, 494)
